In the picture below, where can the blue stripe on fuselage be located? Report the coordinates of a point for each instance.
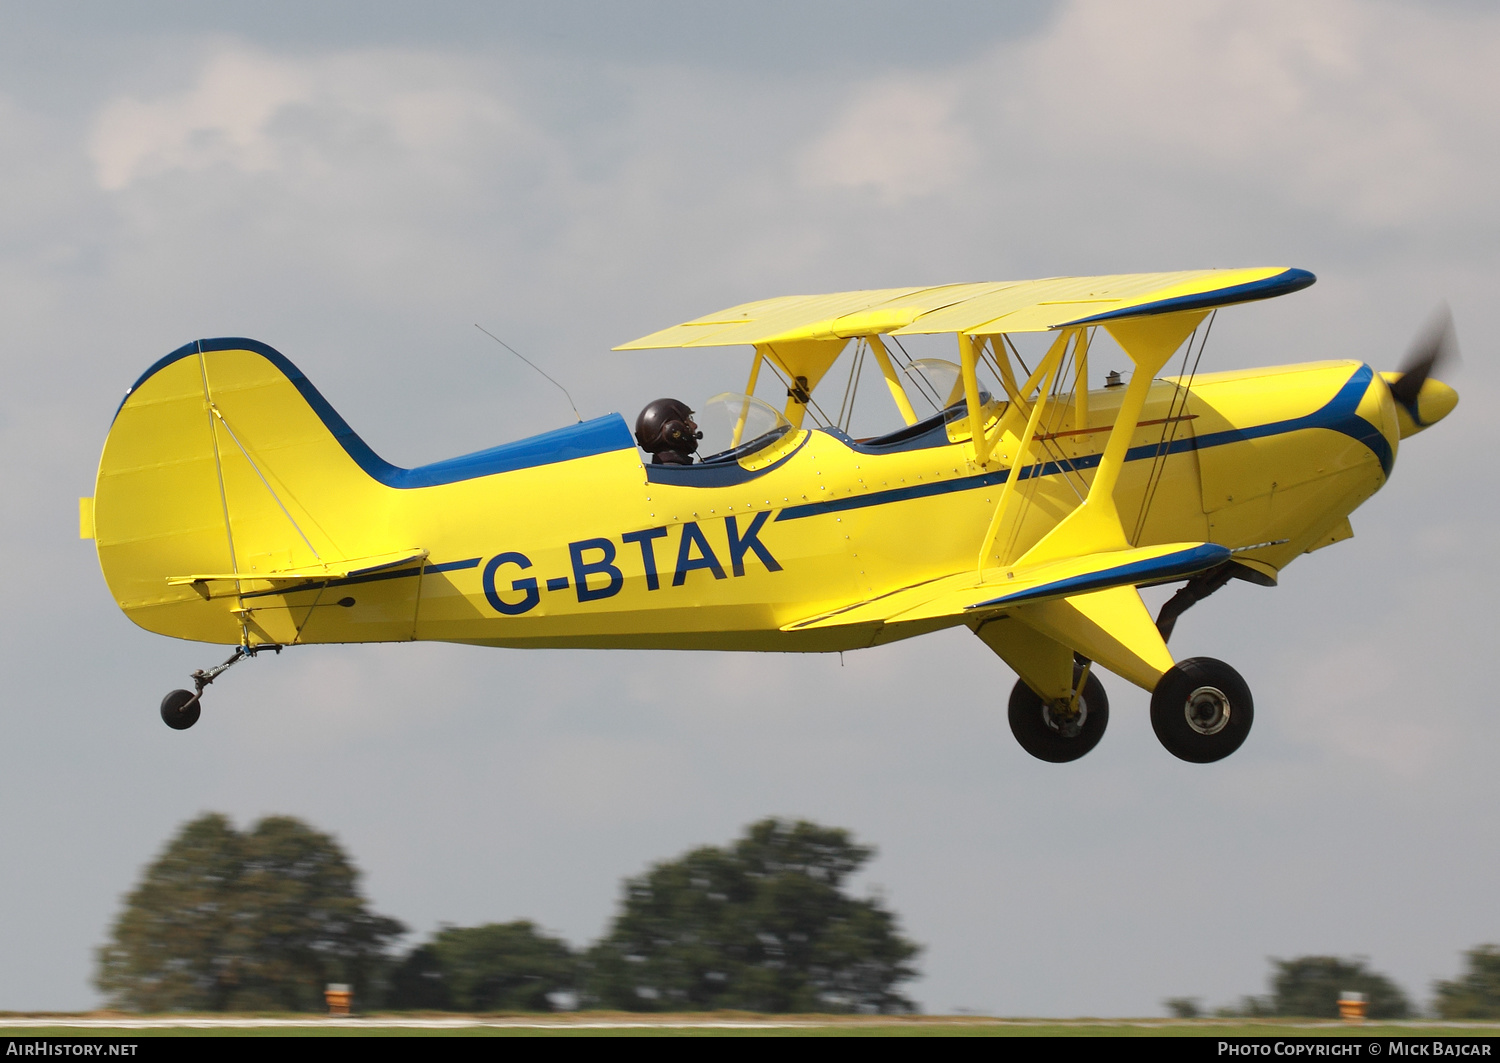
(1337, 415)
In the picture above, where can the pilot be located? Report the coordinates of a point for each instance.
(666, 430)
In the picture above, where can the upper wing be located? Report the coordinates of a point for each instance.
(976, 309)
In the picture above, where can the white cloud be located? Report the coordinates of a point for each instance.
(224, 119)
(900, 140)
(1359, 107)
(1372, 111)
(311, 119)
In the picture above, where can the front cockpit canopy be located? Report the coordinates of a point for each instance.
(735, 425)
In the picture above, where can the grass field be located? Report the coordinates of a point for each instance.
(595, 1024)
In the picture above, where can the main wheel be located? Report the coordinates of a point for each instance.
(1050, 731)
(1201, 710)
(180, 709)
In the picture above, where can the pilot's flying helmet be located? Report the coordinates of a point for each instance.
(666, 425)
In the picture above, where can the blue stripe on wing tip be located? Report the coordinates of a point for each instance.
(1283, 283)
(1152, 570)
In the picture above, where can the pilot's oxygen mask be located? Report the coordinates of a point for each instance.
(737, 426)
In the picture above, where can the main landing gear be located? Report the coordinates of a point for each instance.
(1065, 729)
(181, 708)
(1201, 710)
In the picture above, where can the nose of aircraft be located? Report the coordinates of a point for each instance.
(1433, 401)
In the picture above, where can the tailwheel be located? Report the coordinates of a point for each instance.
(180, 709)
(1201, 710)
(1062, 730)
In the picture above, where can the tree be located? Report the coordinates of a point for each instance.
(170, 945)
(762, 926)
(1249, 1007)
(1476, 994)
(417, 983)
(1183, 1007)
(1310, 986)
(227, 921)
(497, 967)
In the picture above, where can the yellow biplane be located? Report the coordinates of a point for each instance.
(234, 506)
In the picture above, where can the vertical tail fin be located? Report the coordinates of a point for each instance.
(224, 460)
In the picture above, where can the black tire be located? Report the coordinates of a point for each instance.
(1201, 710)
(180, 709)
(1044, 736)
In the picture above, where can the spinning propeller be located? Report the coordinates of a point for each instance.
(1421, 401)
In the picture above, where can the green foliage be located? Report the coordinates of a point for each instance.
(1183, 1007)
(417, 983)
(1248, 1008)
(1476, 993)
(230, 921)
(497, 967)
(261, 920)
(762, 926)
(170, 946)
(1309, 986)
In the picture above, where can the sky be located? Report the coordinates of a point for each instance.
(358, 185)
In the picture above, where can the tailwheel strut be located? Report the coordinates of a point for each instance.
(181, 708)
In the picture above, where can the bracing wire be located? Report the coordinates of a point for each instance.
(1052, 419)
(1175, 411)
(1158, 460)
(854, 395)
(923, 387)
(1064, 463)
(214, 409)
(838, 422)
(851, 387)
(1059, 411)
(1012, 345)
(812, 404)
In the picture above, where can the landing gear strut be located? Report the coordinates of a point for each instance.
(181, 708)
(1065, 729)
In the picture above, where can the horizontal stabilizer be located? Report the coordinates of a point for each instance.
(965, 595)
(341, 569)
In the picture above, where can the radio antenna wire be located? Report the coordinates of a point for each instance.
(533, 365)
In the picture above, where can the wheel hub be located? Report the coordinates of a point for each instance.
(1067, 720)
(1207, 710)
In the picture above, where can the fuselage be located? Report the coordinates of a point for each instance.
(591, 546)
